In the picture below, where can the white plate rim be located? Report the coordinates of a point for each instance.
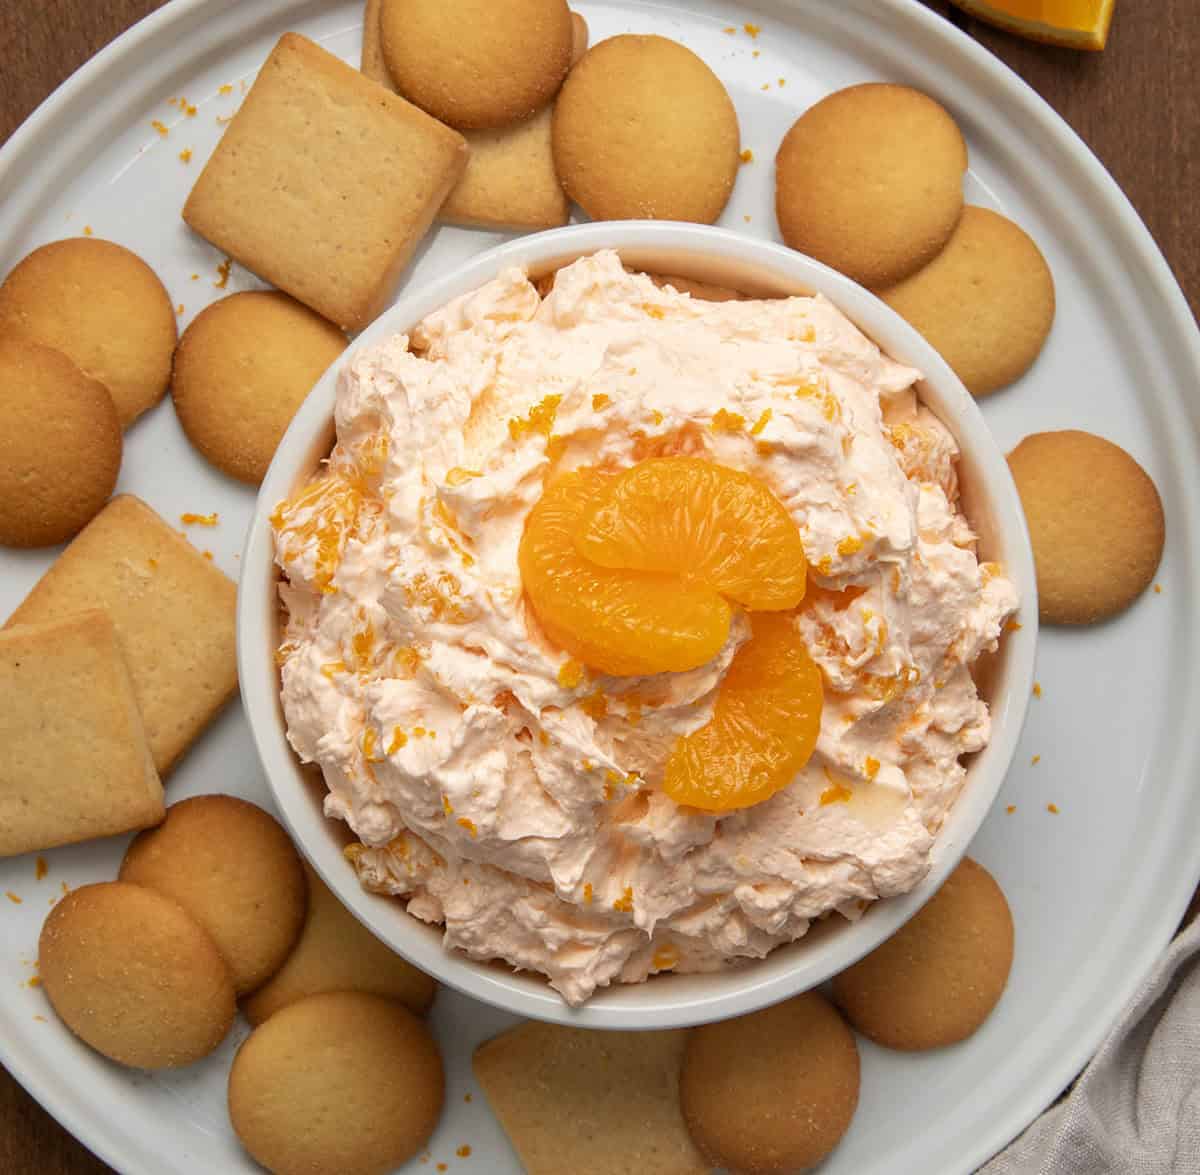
(997, 78)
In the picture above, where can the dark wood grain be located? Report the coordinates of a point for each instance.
(1137, 105)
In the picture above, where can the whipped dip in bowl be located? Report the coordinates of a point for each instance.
(491, 806)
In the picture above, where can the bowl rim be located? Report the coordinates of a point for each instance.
(670, 1000)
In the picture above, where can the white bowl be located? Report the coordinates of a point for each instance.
(724, 258)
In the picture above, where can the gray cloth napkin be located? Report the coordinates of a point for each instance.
(1135, 1110)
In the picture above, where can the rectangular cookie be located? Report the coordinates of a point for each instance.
(324, 182)
(173, 612)
(509, 181)
(575, 1099)
(74, 761)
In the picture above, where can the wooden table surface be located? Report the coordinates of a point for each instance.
(1136, 105)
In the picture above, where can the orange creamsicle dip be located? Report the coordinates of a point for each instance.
(512, 793)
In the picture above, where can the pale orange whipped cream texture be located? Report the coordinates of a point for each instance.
(513, 799)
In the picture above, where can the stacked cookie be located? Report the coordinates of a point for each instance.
(215, 906)
(869, 181)
(771, 1093)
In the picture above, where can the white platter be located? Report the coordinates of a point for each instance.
(1096, 889)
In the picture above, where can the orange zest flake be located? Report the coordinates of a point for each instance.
(570, 674)
(1011, 809)
(764, 448)
(160, 127)
(363, 644)
(757, 427)
(587, 893)
(595, 706)
(824, 564)
(458, 476)
(185, 156)
(223, 273)
(179, 310)
(556, 447)
(653, 311)
(1037, 689)
(730, 30)
(406, 661)
(40, 868)
(600, 401)
(188, 109)
(225, 89)
(1014, 625)
(87, 230)
(887, 689)
(1158, 589)
(747, 155)
(284, 651)
(782, 82)
(447, 806)
(399, 740)
(656, 416)
(421, 732)
(870, 767)
(332, 668)
(752, 30)
(539, 419)
(208, 555)
(665, 958)
(199, 519)
(440, 598)
(624, 904)
(724, 421)
(369, 743)
(1052, 809)
(454, 535)
(34, 981)
(850, 545)
(469, 825)
(12, 897)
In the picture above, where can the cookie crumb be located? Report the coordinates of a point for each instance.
(730, 30)
(1011, 809)
(40, 868)
(160, 127)
(225, 89)
(746, 217)
(752, 30)
(1035, 760)
(467, 1097)
(1158, 589)
(185, 156)
(200, 519)
(12, 897)
(87, 230)
(747, 155)
(1037, 689)
(463, 1152)
(1052, 809)
(223, 274)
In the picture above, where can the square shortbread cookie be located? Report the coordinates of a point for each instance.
(74, 761)
(581, 1100)
(510, 181)
(172, 609)
(324, 182)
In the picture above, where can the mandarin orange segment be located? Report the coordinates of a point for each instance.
(702, 521)
(619, 621)
(763, 729)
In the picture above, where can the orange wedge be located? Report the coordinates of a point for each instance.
(1076, 24)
